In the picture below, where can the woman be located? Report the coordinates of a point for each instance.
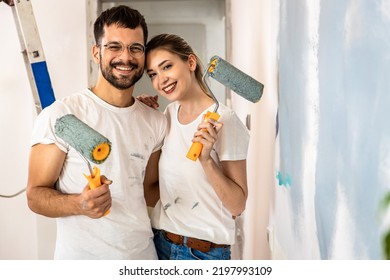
(194, 218)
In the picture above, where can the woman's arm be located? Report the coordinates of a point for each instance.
(229, 178)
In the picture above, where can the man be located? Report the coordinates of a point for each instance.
(56, 184)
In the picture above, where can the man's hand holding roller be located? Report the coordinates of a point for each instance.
(95, 203)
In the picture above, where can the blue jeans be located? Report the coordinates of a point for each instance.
(166, 250)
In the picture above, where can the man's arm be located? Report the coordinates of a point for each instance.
(45, 165)
(151, 186)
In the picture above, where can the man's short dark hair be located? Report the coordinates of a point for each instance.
(123, 16)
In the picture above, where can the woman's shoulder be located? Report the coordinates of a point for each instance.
(171, 107)
(225, 111)
(229, 117)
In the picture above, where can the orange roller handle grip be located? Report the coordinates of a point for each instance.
(94, 181)
(196, 147)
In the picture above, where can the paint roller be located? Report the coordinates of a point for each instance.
(90, 144)
(233, 78)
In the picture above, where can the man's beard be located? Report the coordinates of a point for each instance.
(123, 82)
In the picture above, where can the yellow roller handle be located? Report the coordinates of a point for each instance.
(196, 147)
(94, 181)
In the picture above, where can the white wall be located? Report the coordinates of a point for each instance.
(23, 234)
(15, 219)
(254, 27)
(334, 134)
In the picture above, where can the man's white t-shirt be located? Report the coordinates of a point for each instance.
(135, 133)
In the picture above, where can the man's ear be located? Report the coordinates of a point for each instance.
(95, 54)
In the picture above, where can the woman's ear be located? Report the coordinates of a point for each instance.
(192, 62)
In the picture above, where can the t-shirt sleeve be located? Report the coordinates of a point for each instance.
(161, 132)
(233, 138)
(43, 130)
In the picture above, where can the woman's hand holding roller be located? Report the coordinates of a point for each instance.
(207, 135)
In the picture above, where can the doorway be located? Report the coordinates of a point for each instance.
(202, 23)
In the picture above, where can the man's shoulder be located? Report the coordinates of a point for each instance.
(151, 119)
(70, 104)
(71, 98)
(149, 110)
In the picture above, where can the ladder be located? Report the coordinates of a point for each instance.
(32, 51)
(34, 58)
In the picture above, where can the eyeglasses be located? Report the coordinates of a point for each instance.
(136, 50)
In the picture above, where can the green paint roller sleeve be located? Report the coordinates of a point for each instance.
(87, 141)
(235, 79)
